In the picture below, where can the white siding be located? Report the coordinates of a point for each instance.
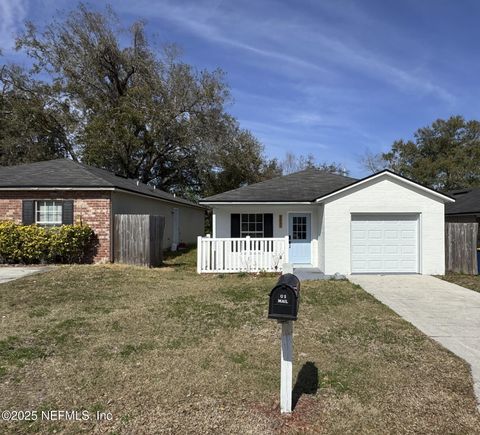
(384, 195)
(321, 237)
(221, 219)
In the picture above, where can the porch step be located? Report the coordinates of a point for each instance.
(309, 274)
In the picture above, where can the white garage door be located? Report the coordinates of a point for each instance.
(384, 243)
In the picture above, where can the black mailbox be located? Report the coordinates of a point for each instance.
(284, 298)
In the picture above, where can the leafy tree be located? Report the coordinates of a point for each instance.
(123, 107)
(33, 125)
(237, 162)
(294, 163)
(445, 155)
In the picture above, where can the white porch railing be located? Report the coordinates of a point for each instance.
(230, 255)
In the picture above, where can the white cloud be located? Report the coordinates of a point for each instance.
(216, 26)
(294, 42)
(12, 15)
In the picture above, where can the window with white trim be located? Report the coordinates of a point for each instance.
(299, 230)
(251, 225)
(48, 212)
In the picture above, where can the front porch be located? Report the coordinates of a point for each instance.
(248, 254)
(262, 237)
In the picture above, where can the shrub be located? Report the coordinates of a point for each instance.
(70, 243)
(32, 244)
(9, 242)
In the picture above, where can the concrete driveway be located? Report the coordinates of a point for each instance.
(8, 273)
(446, 312)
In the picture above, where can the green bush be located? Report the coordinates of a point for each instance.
(70, 243)
(31, 244)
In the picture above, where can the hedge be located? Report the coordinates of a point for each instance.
(32, 244)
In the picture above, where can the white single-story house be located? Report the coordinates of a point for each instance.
(383, 223)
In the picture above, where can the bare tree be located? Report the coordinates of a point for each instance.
(295, 163)
(373, 162)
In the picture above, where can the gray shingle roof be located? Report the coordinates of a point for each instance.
(466, 201)
(303, 186)
(64, 173)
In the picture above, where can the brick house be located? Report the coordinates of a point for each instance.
(57, 192)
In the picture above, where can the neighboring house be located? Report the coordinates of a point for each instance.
(383, 223)
(57, 192)
(466, 207)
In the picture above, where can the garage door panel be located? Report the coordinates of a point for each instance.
(391, 234)
(384, 243)
(375, 264)
(359, 234)
(373, 250)
(393, 250)
(408, 250)
(408, 234)
(360, 250)
(408, 265)
(391, 265)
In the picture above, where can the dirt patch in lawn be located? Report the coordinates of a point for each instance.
(169, 351)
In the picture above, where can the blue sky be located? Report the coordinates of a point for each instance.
(333, 78)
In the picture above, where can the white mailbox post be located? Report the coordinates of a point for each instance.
(286, 367)
(283, 306)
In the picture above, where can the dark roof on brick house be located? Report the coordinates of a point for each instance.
(65, 173)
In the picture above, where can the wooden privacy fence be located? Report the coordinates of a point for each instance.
(138, 239)
(461, 247)
(230, 255)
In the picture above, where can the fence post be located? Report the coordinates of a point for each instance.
(287, 241)
(199, 254)
(247, 254)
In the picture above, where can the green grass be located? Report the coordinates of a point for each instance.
(169, 350)
(14, 352)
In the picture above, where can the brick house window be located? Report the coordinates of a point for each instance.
(48, 212)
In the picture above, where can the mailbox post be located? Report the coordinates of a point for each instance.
(283, 306)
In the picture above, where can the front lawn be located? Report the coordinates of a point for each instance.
(469, 281)
(167, 350)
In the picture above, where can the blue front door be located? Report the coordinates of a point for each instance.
(299, 232)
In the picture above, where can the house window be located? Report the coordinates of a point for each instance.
(48, 212)
(251, 225)
(299, 230)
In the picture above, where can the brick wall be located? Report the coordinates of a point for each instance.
(90, 207)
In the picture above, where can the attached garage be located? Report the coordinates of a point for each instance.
(384, 243)
(383, 224)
